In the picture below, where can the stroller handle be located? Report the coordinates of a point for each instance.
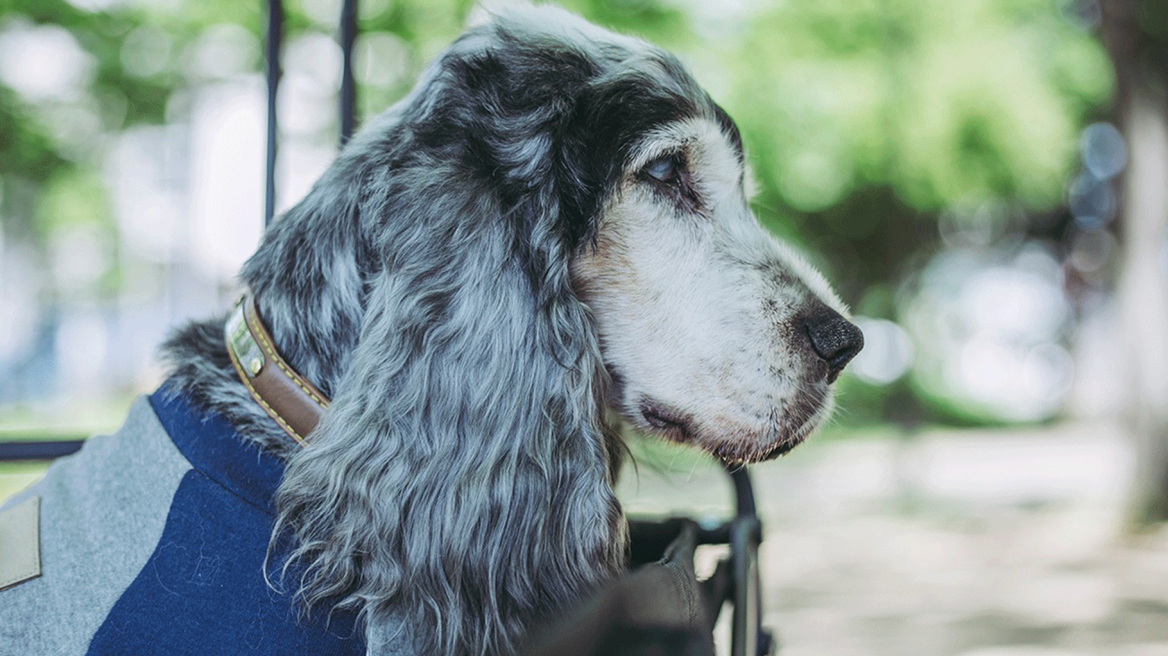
(736, 579)
(743, 491)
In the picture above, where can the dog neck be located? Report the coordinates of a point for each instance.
(201, 369)
(289, 399)
(312, 305)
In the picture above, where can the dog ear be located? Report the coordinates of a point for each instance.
(308, 277)
(461, 472)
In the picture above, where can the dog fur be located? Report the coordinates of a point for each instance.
(482, 283)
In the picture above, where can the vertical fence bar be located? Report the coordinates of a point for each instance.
(275, 33)
(348, 86)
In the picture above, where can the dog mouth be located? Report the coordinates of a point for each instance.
(737, 445)
(785, 443)
(782, 440)
(668, 421)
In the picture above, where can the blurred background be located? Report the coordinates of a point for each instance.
(985, 182)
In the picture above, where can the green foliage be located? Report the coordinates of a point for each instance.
(863, 119)
(73, 197)
(934, 99)
(25, 147)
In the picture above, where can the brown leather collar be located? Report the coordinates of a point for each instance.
(285, 395)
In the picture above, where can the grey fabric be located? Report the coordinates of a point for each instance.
(102, 512)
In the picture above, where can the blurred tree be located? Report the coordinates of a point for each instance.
(865, 120)
(868, 119)
(1136, 32)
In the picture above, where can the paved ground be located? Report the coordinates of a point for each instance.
(956, 543)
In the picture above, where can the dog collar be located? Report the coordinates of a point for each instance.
(285, 395)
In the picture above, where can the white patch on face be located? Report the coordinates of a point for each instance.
(699, 309)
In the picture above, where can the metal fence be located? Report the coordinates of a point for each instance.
(20, 450)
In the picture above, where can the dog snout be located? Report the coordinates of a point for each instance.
(834, 339)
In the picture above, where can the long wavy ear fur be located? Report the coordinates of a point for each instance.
(461, 478)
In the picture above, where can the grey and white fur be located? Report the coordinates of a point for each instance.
(549, 232)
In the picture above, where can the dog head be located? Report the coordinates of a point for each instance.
(552, 222)
(715, 333)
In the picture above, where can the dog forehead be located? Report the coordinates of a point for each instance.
(545, 59)
(546, 35)
(618, 85)
(549, 22)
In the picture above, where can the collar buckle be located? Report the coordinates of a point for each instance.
(288, 398)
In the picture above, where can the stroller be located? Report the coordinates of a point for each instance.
(660, 607)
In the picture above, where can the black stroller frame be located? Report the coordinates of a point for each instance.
(736, 579)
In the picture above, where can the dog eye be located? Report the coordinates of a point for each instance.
(663, 169)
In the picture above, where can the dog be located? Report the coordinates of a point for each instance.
(547, 239)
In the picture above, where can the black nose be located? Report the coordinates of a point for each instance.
(834, 339)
